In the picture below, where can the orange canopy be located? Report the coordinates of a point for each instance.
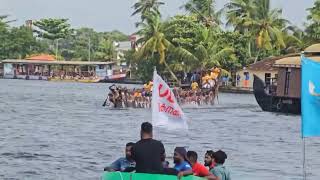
(42, 57)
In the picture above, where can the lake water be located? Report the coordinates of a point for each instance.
(60, 131)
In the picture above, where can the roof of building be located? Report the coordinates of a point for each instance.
(315, 48)
(266, 64)
(42, 57)
(44, 62)
(293, 61)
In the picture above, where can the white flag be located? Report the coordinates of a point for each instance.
(166, 111)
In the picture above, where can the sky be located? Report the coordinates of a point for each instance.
(108, 15)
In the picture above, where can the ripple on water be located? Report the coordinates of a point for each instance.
(61, 131)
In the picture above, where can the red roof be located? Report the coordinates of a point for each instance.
(42, 57)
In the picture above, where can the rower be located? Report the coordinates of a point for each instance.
(114, 95)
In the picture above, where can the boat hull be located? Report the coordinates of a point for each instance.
(140, 176)
(272, 103)
(74, 80)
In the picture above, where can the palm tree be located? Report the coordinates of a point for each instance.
(313, 24)
(3, 21)
(239, 14)
(269, 24)
(257, 18)
(207, 53)
(154, 42)
(205, 11)
(144, 7)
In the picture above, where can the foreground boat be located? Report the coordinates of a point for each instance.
(139, 176)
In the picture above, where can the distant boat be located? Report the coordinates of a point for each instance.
(75, 80)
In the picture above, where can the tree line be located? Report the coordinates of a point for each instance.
(200, 40)
(56, 36)
(197, 40)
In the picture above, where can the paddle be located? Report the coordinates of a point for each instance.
(105, 102)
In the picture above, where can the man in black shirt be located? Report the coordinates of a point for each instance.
(148, 152)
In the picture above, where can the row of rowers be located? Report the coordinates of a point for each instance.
(148, 156)
(208, 79)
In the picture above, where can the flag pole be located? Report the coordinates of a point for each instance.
(304, 159)
(304, 173)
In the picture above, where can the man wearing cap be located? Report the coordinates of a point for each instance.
(180, 163)
(220, 170)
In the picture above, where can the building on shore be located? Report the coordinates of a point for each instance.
(45, 67)
(264, 69)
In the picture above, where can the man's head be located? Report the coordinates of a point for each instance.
(208, 158)
(219, 157)
(128, 149)
(192, 157)
(179, 155)
(146, 130)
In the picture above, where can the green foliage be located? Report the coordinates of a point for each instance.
(182, 43)
(76, 46)
(143, 70)
(313, 26)
(182, 31)
(238, 42)
(204, 10)
(115, 36)
(146, 7)
(17, 42)
(52, 28)
(154, 42)
(265, 25)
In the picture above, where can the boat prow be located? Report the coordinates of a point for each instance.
(264, 100)
(140, 176)
(274, 103)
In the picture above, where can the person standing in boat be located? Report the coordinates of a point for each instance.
(194, 86)
(124, 163)
(148, 153)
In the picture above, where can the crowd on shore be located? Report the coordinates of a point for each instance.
(74, 76)
(149, 156)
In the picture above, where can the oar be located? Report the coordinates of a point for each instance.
(105, 102)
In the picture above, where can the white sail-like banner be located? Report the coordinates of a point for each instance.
(166, 111)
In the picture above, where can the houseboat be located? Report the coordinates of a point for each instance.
(283, 93)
